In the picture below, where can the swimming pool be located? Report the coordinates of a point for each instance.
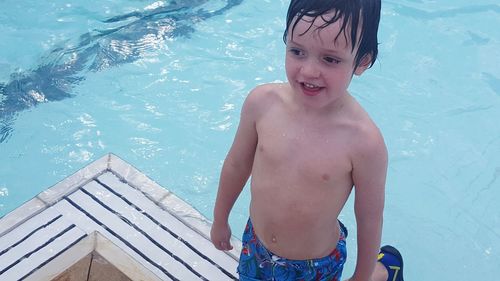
(161, 85)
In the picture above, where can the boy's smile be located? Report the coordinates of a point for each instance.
(310, 89)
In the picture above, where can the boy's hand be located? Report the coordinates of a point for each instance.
(220, 234)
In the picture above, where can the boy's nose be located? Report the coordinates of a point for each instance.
(310, 69)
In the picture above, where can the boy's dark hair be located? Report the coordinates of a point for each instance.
(352, 13)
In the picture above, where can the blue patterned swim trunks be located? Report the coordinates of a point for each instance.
(258, 263)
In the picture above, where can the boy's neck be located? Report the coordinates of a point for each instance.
(327, 110)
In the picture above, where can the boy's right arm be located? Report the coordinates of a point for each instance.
(235, 172)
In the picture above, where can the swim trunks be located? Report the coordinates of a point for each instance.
(258, 263)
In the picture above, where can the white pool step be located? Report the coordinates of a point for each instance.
(112, 209)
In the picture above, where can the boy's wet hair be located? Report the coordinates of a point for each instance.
(353, 15)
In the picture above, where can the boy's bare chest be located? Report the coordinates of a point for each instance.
(318, 151)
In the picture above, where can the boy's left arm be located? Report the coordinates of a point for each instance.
(369, 176)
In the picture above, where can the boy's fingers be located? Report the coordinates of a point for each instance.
(218, 245)
(226, 246)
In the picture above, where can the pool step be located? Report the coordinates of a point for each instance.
(112, 210)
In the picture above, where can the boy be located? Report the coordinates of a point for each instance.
(307, 143)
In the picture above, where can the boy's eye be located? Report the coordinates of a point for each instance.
(296, 52)
(331, 60)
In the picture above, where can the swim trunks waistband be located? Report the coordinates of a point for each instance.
(258, 263)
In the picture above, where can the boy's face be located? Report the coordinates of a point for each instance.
(319, 66)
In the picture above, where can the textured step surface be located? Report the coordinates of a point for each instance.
(112, 209)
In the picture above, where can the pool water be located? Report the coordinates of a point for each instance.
(161, 85)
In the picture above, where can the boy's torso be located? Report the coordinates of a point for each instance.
(301, 179)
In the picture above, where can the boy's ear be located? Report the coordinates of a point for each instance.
(363, 65)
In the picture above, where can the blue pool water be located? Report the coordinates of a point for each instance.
(161, 85)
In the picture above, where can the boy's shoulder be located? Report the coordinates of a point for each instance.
(266, 95)
(262, 98)
(270, 91)
(363, 131)
(367, 133)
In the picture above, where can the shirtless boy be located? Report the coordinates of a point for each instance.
(307, 144)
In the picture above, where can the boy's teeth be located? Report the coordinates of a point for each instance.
(310, 85)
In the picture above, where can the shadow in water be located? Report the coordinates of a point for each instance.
(452, 12)
(131, 36)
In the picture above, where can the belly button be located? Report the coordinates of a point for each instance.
(325, 177)
(273, 239)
